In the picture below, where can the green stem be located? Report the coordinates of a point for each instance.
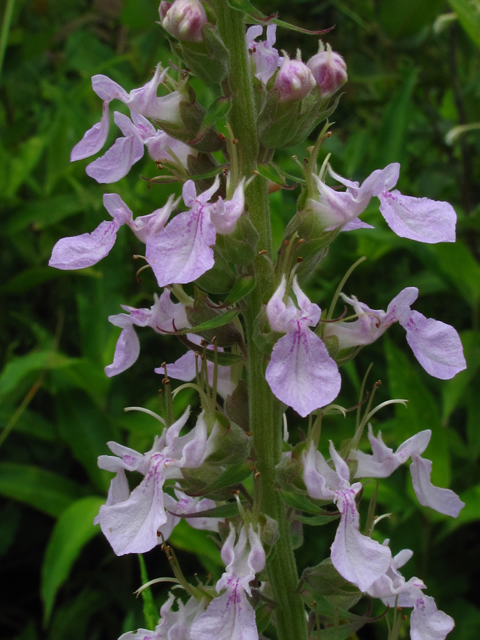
(265, 412)
(7, 21)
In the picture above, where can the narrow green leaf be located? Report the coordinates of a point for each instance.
(257, 17)
(199, 543)
(223, 511)
(218, 109)
(302, 503)
(43, 490)
(243, 286)
(224, 359)
(465, 277)
(150, 611)
(71, 533)
(454, 389)
(36, 361)
(214, 323)
(231, 476)
(269, 173)
(209, 174)
(318, 521)
(30, 423)
(468, 14)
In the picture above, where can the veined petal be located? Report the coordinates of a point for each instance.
(318, 476)
(381, 180)
(94, 138)
(442, 500)
(310, 311)
(276, 309)
(181, 369)
(436, 345)
(131, 526)
(108, 89)
(357, 558)
(79, 252)
(117, 208)
(182, 252)
(224, 214)
(301, 373)
(117, 162)
(427, 622)
(228, 617)
(126, 352)
(420, 219)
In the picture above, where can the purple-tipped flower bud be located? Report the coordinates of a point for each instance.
(184, 19)
(328, 69)
(294, 80)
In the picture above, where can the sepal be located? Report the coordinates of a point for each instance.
(202, 311)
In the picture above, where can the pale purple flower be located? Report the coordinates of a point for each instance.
(182, 252)
(294, 80)
(186, 505)
(427, 622)
(300, 372)
(126, 151)
(79, 252)
(185, 369)
(184, 19)
(436, 345)
(265, 57)
(329, 70)
(143, 101)
(392, 584)
(420, 219)
(173, 625)
(164, 316)
(357, 558)
(231, 616)
(383, 462)
(131, 522)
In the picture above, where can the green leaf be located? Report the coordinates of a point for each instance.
(224, 359)
(302, 503)
(36, 361)
(21, 166)
(232, 475)
(43, 213)
(393, 132)
(73, 530)
(465, 277)
(421, 412)
(86, 429)
(453, 390)
(218, 109)
(318, 521)
(257, 17)
(199, 543)
(214, 323)
(149, 609)
(43, 490)
(243, 286)
(30, 423)
(223, 511)
(468, 14)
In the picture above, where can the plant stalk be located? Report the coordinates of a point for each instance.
(264, 408)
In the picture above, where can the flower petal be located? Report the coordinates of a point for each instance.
(436, 345)
(117, 162)
(94, 138)
(442, 500)
(301, 373)
(228, 617)
(108, 89)
(420, 219)
(131, 526)
(182, 252)
(427, 622)
(126, 352)
(79, 252)
(357, 558)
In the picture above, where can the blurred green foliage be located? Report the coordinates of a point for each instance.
(412, 77)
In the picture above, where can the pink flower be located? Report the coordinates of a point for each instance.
(300, 372)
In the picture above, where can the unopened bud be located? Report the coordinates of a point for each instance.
(184, 19)
(329, 70)
(294, 80)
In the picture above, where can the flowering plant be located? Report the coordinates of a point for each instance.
(265, 341)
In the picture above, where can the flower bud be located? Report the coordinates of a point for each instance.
(294, 80)
(329, 70)
(184, 19)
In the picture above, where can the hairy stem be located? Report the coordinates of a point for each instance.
(265, 413)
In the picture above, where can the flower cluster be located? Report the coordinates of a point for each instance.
(239, 326)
